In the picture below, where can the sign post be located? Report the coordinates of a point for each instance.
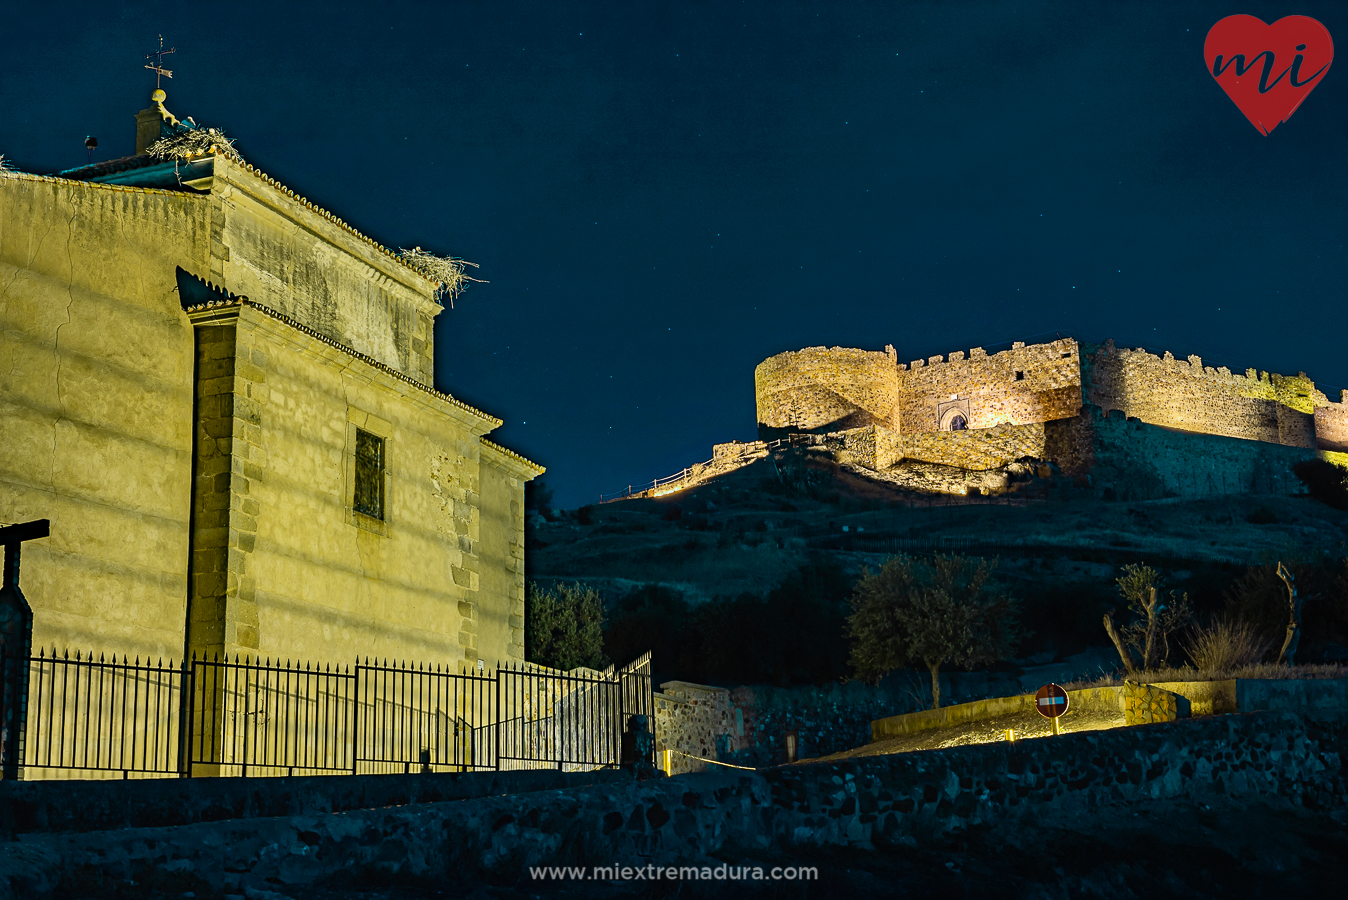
(1051, 701)
(16, 644)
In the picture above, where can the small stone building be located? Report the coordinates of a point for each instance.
(223, 398)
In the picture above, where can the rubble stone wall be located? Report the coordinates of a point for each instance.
(1331, 426)
(911, 405)
(826, 388)
(1143, 461)
(695, 720)
(864, 802)
(977, 450)
(1019, 386)
(1187, 395)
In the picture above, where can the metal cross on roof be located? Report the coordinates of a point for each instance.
(158, 57)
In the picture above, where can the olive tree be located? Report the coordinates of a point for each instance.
(946, 611)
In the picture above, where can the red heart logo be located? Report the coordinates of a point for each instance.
(1268, 69)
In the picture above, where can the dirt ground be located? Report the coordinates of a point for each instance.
(730, 535)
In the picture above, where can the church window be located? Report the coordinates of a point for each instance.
(369, 488)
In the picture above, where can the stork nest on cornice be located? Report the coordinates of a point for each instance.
(446, 271)
(191, 143)
(5, 167)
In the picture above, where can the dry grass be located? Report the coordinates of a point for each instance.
(193, 143)
(446, 271)
(1226, 645)
(1188, 673)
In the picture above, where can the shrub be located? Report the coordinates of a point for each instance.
(794, 635)
(655, 618)
(538, 497)
(1262, 516)
(1324, 481)
(1145, 641)
(564, 626)
(1226, 644)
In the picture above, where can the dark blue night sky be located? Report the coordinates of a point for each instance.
(663, 195)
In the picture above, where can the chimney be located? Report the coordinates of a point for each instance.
(149, 122)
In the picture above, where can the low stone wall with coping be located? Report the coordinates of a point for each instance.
(862, 802)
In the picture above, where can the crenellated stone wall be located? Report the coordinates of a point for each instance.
(1020, 386)
(982, 411)
(1189, 396)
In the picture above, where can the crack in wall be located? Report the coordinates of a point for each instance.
(56, 340)
(28, 266)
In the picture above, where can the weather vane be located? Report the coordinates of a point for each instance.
(158, 57)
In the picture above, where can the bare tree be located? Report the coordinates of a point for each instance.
(1144, 643)
(1293, 638)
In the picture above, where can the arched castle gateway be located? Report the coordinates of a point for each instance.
(1127, 415)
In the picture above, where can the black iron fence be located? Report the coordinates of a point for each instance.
(242, 716)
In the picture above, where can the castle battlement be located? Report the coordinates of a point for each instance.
(1255, 381)
(829, 389)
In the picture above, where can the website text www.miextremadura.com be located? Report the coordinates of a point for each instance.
(722, 872)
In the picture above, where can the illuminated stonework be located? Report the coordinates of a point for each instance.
(222, 397)
(917, 408)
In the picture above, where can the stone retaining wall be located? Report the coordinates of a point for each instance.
(1144, 704)
(863, 802)
(1106, 699)
(36, 806)
(695, 720)
(1310, 696)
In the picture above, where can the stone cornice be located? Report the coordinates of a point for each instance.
(326, 227)
(476, 420)
(509, 460)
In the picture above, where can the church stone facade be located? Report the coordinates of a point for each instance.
(222, 397)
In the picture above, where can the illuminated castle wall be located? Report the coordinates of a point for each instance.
(1050, 401)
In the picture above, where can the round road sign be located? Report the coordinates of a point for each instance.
(1051, 701)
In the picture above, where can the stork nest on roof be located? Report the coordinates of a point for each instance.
(194, 142)
(446, 271)
(5, 167)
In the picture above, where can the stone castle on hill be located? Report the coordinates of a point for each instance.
(222, 397)
(1122, 421)
(1123, 415)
